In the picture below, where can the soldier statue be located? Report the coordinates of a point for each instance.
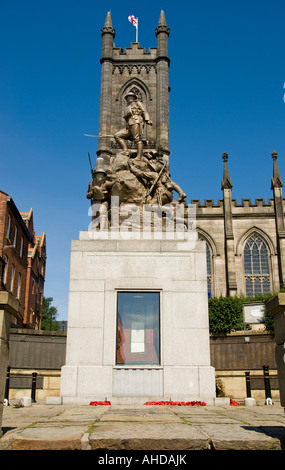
(135, 116)
(153, 171)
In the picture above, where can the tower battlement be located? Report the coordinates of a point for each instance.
(133, 52)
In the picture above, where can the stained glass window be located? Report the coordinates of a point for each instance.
(256, 267)
(209, 267)
(209, 271)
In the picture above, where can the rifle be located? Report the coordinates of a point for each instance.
(156, 180)
(90, 164)
(103, 135)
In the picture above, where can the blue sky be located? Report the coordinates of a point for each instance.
(227, 78)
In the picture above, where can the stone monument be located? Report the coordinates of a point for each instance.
(276, 308)
(9, 306)
(138, 306)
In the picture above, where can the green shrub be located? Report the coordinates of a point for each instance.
(226, 314)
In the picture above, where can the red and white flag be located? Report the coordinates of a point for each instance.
(133, 20)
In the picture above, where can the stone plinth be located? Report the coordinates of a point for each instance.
(276, 308)
(8, 306)
(102, 268)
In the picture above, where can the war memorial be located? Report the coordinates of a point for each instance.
(138, 328)
(138, 305)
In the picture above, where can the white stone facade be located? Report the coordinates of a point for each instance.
(102, 268)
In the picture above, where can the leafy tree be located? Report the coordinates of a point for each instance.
(49, 315)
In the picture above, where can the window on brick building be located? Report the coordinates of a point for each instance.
(4, 278)
(12, 278)
(15, 237)
(19, 286)
(31, 315)
(21, 247)
(256, 267)
(8, 227)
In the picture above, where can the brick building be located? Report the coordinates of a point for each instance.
(22, 262)
(36, 262)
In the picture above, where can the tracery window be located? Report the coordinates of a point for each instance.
(209, 271)
(256, 267)
(137, 92)
(209, 268)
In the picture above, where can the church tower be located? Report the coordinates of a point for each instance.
(144, 73)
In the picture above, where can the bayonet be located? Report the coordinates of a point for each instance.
(155, 182)
(103, 135)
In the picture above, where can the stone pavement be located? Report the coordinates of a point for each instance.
(143, 427)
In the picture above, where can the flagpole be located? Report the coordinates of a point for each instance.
(137, 30)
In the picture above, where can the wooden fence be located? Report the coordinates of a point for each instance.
(243, 351)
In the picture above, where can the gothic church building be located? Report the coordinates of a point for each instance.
(245, 242)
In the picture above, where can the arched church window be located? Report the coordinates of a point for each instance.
(209, 271)
(209, 268)
(256, 267)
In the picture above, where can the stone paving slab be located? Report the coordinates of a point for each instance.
(49, 438)
(236, 437)
(143, 427)
(150, 436)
